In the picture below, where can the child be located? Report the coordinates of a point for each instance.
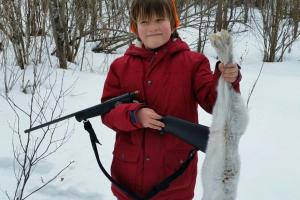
(171, 80)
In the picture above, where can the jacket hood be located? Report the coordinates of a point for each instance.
(171, 47)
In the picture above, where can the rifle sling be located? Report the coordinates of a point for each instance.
(156, 189)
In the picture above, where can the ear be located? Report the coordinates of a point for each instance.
(133, 28)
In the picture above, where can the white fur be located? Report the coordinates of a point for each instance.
(222, 162)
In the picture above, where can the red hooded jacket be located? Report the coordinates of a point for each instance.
(171, 80)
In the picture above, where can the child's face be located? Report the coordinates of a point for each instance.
(154, 32)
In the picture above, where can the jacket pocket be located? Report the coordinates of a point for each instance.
(172, 162)
(124, 166)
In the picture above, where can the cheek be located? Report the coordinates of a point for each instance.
(166, 29)
(141, 31)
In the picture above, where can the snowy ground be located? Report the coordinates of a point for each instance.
(270, 153)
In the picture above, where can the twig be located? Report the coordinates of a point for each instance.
(50, 180)
(253, 87)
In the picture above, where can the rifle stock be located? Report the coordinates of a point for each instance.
(193, 134)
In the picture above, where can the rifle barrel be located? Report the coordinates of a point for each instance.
(93, 111)
(49, 123)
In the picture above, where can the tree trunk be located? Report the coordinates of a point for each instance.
(58, 29)
(219, 14)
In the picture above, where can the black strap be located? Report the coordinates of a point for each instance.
(161, 186)
(166, 183)
(94, 140)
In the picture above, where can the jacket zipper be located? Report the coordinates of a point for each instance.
(145, 72)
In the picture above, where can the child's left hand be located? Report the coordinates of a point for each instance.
(229, 72)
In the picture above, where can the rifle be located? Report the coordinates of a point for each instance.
(194, 134)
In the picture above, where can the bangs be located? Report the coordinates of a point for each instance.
(147, 9)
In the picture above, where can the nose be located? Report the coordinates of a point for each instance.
(152, 26)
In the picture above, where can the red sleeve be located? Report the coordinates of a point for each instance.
(206, 82)
(118, 118)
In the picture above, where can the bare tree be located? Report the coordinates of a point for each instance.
(278, 29)
(19, 21)
(59, 29)
(295, 15)
(11, 74)
(1, 46)
(29, 150)
(247, 4)
(208, 16)
(11, 25)
(36, 16)
(44, 92)
(113, 31)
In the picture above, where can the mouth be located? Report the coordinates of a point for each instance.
(154, 34)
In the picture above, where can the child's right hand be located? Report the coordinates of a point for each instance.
(149, 119)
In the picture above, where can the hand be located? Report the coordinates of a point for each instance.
(149, 118)
(229, 72)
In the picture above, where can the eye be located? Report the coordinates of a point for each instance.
(143, 22)
(160, 19)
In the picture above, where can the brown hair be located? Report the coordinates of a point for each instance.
(149, 8)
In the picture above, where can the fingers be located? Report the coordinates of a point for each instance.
(154, 115)
(221, 67)
(155, 124)
(229, 72)
(150, 119)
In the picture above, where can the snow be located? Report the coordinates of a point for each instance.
(270, 153)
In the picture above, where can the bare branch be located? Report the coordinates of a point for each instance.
(49, 181)
(254, 85)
